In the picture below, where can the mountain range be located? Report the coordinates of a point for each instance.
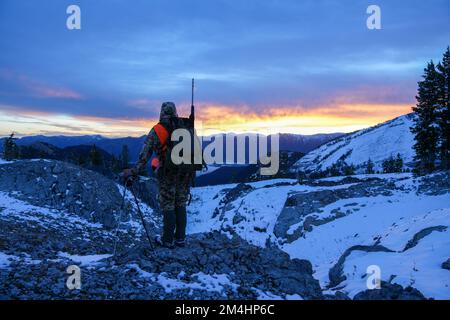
(288, 142)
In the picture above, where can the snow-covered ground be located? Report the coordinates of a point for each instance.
(260, 208)
(321, 222)
(388, 219)
(419, 266)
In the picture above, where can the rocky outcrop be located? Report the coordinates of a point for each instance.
(390, 291)
(56, 225)
(435, 184)
(422, 234)
(230, 196)
(336, 275)
(304, 207)
(43, 248)
(446, 264)
(63, 186)
(250, 267)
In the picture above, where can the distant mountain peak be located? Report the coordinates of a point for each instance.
(376, 143)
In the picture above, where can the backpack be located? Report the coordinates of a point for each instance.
(164, 132)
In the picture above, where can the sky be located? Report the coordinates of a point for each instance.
(290, 66)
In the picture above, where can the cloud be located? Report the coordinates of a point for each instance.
(254, 60)
(36, 88)
(45, 91)
(322, 119)
(210, 119)
(19, 119)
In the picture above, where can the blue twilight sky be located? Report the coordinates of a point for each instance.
(297, 64)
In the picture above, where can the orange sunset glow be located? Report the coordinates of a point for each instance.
(210, 119)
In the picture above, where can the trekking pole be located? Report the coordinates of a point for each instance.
(142, 218)
(120, 219)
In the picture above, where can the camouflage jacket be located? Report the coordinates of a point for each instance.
(151, 145)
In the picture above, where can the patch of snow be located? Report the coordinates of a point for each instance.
(17, 209)
(6, 259)
(199, 281)
(262, 295)
(3, 161)
(293, 297)
(87, 260)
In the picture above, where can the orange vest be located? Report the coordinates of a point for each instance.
(163, 135)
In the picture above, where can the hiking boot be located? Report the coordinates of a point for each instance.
(180, 221)
(162, 243)
(180, 243)
(169, 222)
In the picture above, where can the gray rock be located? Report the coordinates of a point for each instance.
(300, 207)
(63, 186)
(422, 234)
(390, 292)
(335, 274)
(435, 184)
(446, 264)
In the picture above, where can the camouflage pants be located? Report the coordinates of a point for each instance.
(174, 189)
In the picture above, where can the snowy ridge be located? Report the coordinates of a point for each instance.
(376, 143)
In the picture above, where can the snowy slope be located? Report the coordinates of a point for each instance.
(376, 143)
(419, 266)
(390, 217)
(258, 210)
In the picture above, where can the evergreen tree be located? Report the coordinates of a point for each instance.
(96, 157)
(388, 165)
(393, 165)
(80, 161)
(334, 170)
(6, 148)
(124, 157)
(370, 167)
(10, 148)
(425, 127)
(398, 163)
(349, 170)
(116, 165)
(443, 112)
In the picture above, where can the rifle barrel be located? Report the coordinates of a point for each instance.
(192, 96)
(192, 116)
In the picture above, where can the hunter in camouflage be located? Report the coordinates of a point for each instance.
(174, 184)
